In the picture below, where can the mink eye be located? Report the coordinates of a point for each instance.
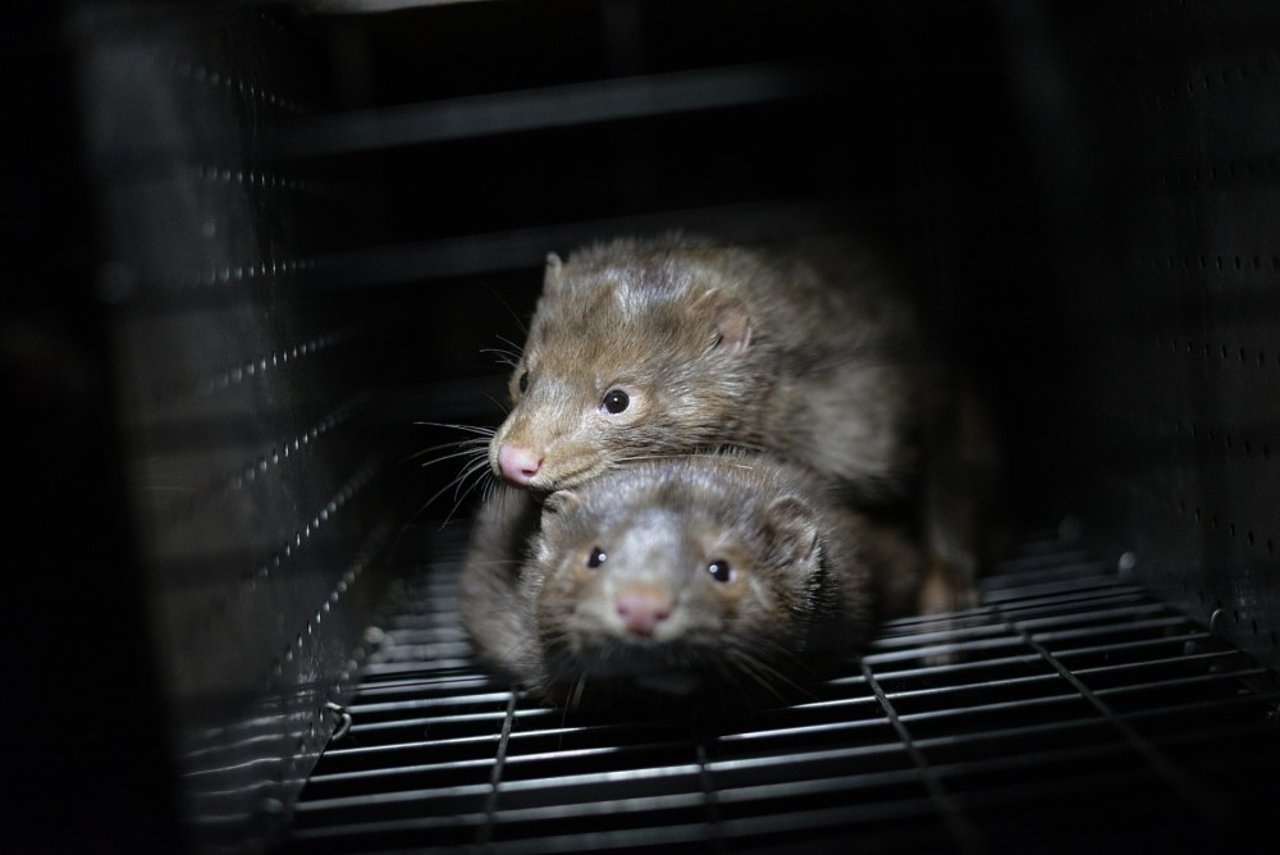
(720, 570)
(523, 382)
(597, 557)
(616, 401)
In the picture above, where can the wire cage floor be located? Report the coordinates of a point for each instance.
(1074, 710)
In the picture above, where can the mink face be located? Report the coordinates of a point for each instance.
(678, 575)
(622, 363)
(657, 596)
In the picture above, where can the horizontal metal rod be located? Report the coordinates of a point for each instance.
(526, 110)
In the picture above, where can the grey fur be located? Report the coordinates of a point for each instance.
(810, 578)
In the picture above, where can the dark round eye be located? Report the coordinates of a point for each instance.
(720, 570)
(523, 382)
(616, 401)
(597, 557)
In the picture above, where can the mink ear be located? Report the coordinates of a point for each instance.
(729, 316)
(556, 506)
(551, 278)
(791, 529)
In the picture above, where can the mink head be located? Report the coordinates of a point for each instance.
(668, 576)
(635, 350)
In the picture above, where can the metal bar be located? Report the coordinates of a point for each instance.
(601, 807)
(945, 668)
(813, 786)
(799, 758)
(1139, 625)
(537, 109)
(1134, 645)
(964, 832)
(939, 691)
(710, 797)
(1077, 617)
(586, 752)
(429, 722)
(967, 737)
(315, 806)
(391, 772)
(526, 249)
(1096, 597)
(990, 708)
(406, 746)
(486, 831)
(1182, 682)
(599, 778)
(427, 684)
(425, 703)
(926, 652)
(370, 830)
(1164, 660)
(919, 638)
(801, 730)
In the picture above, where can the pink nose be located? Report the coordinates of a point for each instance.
(642, 609)
(518, 465)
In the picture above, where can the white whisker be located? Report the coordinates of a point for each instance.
(514, 347)
(466, 446)
(506, 408)
(477, 429)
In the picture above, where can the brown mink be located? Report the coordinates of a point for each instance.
(811, 351)
(680, 576)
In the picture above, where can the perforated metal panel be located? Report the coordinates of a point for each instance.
(243, 393)
(1174, 300)
(1080, 713)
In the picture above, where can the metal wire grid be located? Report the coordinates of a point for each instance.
(1069, 709)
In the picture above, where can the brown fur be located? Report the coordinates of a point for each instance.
(809, 579)
(810, 351)
(718, 346)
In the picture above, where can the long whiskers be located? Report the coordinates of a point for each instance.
(503, 356)
(473, 450)
(493, 292)
(505, 408)
(515, 348)
(461, 489)
(476, 429)
(469, 447)
(754, 660)
(758, 672)
(575, 699)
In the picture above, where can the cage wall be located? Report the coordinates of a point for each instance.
(1173, 304)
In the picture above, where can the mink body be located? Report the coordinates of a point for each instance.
(811, 351)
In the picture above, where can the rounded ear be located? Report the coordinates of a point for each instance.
(560, 502)
(729, 316)
(552, 277)
(557, 506)
(791, 530)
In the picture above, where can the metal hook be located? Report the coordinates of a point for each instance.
(344, 720)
